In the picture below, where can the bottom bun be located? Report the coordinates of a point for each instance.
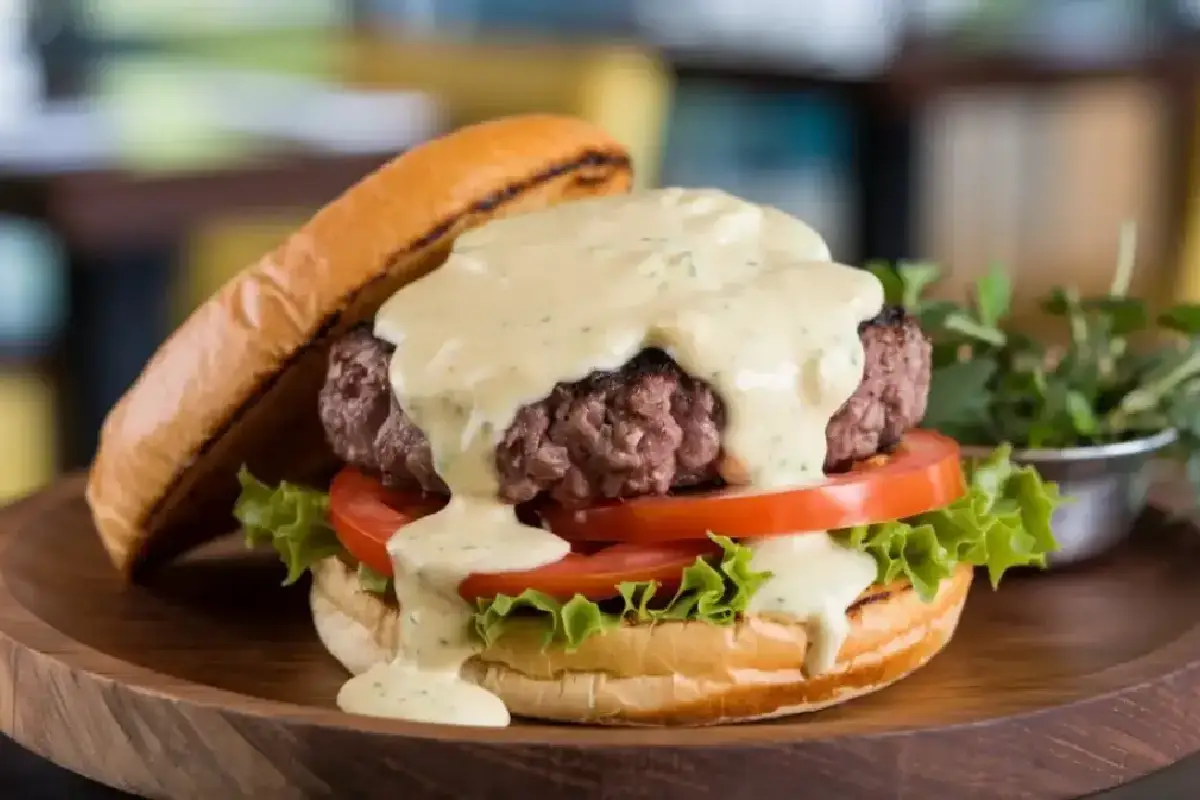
(671, 673)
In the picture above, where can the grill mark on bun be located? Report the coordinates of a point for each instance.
(592, 158)
(588, 158)
(875, 595)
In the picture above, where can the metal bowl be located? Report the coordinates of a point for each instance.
(1107, 486)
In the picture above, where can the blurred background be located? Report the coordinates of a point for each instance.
(151, 148)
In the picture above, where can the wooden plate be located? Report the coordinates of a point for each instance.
(211, 684)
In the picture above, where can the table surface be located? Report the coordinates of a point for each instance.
(24, 776)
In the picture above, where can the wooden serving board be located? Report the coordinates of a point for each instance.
(211, 684)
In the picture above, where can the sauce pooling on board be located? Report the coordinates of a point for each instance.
(740, 295)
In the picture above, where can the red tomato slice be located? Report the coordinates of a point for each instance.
(922, 474)
(365, 515)
(659, 537)
(596, 575)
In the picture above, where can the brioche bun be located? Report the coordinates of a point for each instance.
(236, 383)
(672, 673)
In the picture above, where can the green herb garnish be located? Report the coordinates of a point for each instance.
(991, 384)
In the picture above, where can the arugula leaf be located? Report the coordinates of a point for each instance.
(915, 278)
(1126, 259)
(1104, 386)
(993, 296)
(893, 286)
(1124, 315)
(1055, 303)
(1183, 318)
(1083, 417)
(290, 518)
(934, 313)
(1159, 386)
(905, 283)
(959, 395)
(962, 323)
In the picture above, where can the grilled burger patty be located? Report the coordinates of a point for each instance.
(643, 429)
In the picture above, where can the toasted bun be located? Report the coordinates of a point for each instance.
(672, 673)
(236, 383)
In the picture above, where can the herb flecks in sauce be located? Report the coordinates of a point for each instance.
(530, 301)
(814, 579)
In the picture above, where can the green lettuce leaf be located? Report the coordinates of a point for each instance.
(293, 519)
(373, 581)
(1003, 521)
(710, 592)
(569, 623)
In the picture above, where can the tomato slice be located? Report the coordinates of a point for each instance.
(365, 515)
(922, 474)
(595, 575)
(656, 538)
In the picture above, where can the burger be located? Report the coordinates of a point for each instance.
(556, 450)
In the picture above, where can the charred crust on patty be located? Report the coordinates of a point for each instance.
(888, 315)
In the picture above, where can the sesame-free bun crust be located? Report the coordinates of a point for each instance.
(672, 673)
(237, 382)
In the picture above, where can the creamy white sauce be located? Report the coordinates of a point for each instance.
(738, 294)
(814, 579)
(430, 560)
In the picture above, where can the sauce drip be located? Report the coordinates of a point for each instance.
(814, 579)
(430, 561)
(741, 295)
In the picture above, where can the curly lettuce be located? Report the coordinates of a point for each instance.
(1002, 521)
(716, 592)
(292, 519)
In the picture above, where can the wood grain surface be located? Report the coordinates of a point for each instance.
(211, 683)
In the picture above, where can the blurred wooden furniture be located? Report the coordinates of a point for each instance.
(27, 431)
(1147, 102)
(108, 217)
(108, 214)
(110, 211)
(1042, 185)
(100, 210)
(1188, 285)
(623, 89)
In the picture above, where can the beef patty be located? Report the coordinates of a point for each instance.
(644, 429)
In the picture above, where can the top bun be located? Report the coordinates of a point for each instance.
(237, 382)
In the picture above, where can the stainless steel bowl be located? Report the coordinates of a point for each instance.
(1107, 485)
